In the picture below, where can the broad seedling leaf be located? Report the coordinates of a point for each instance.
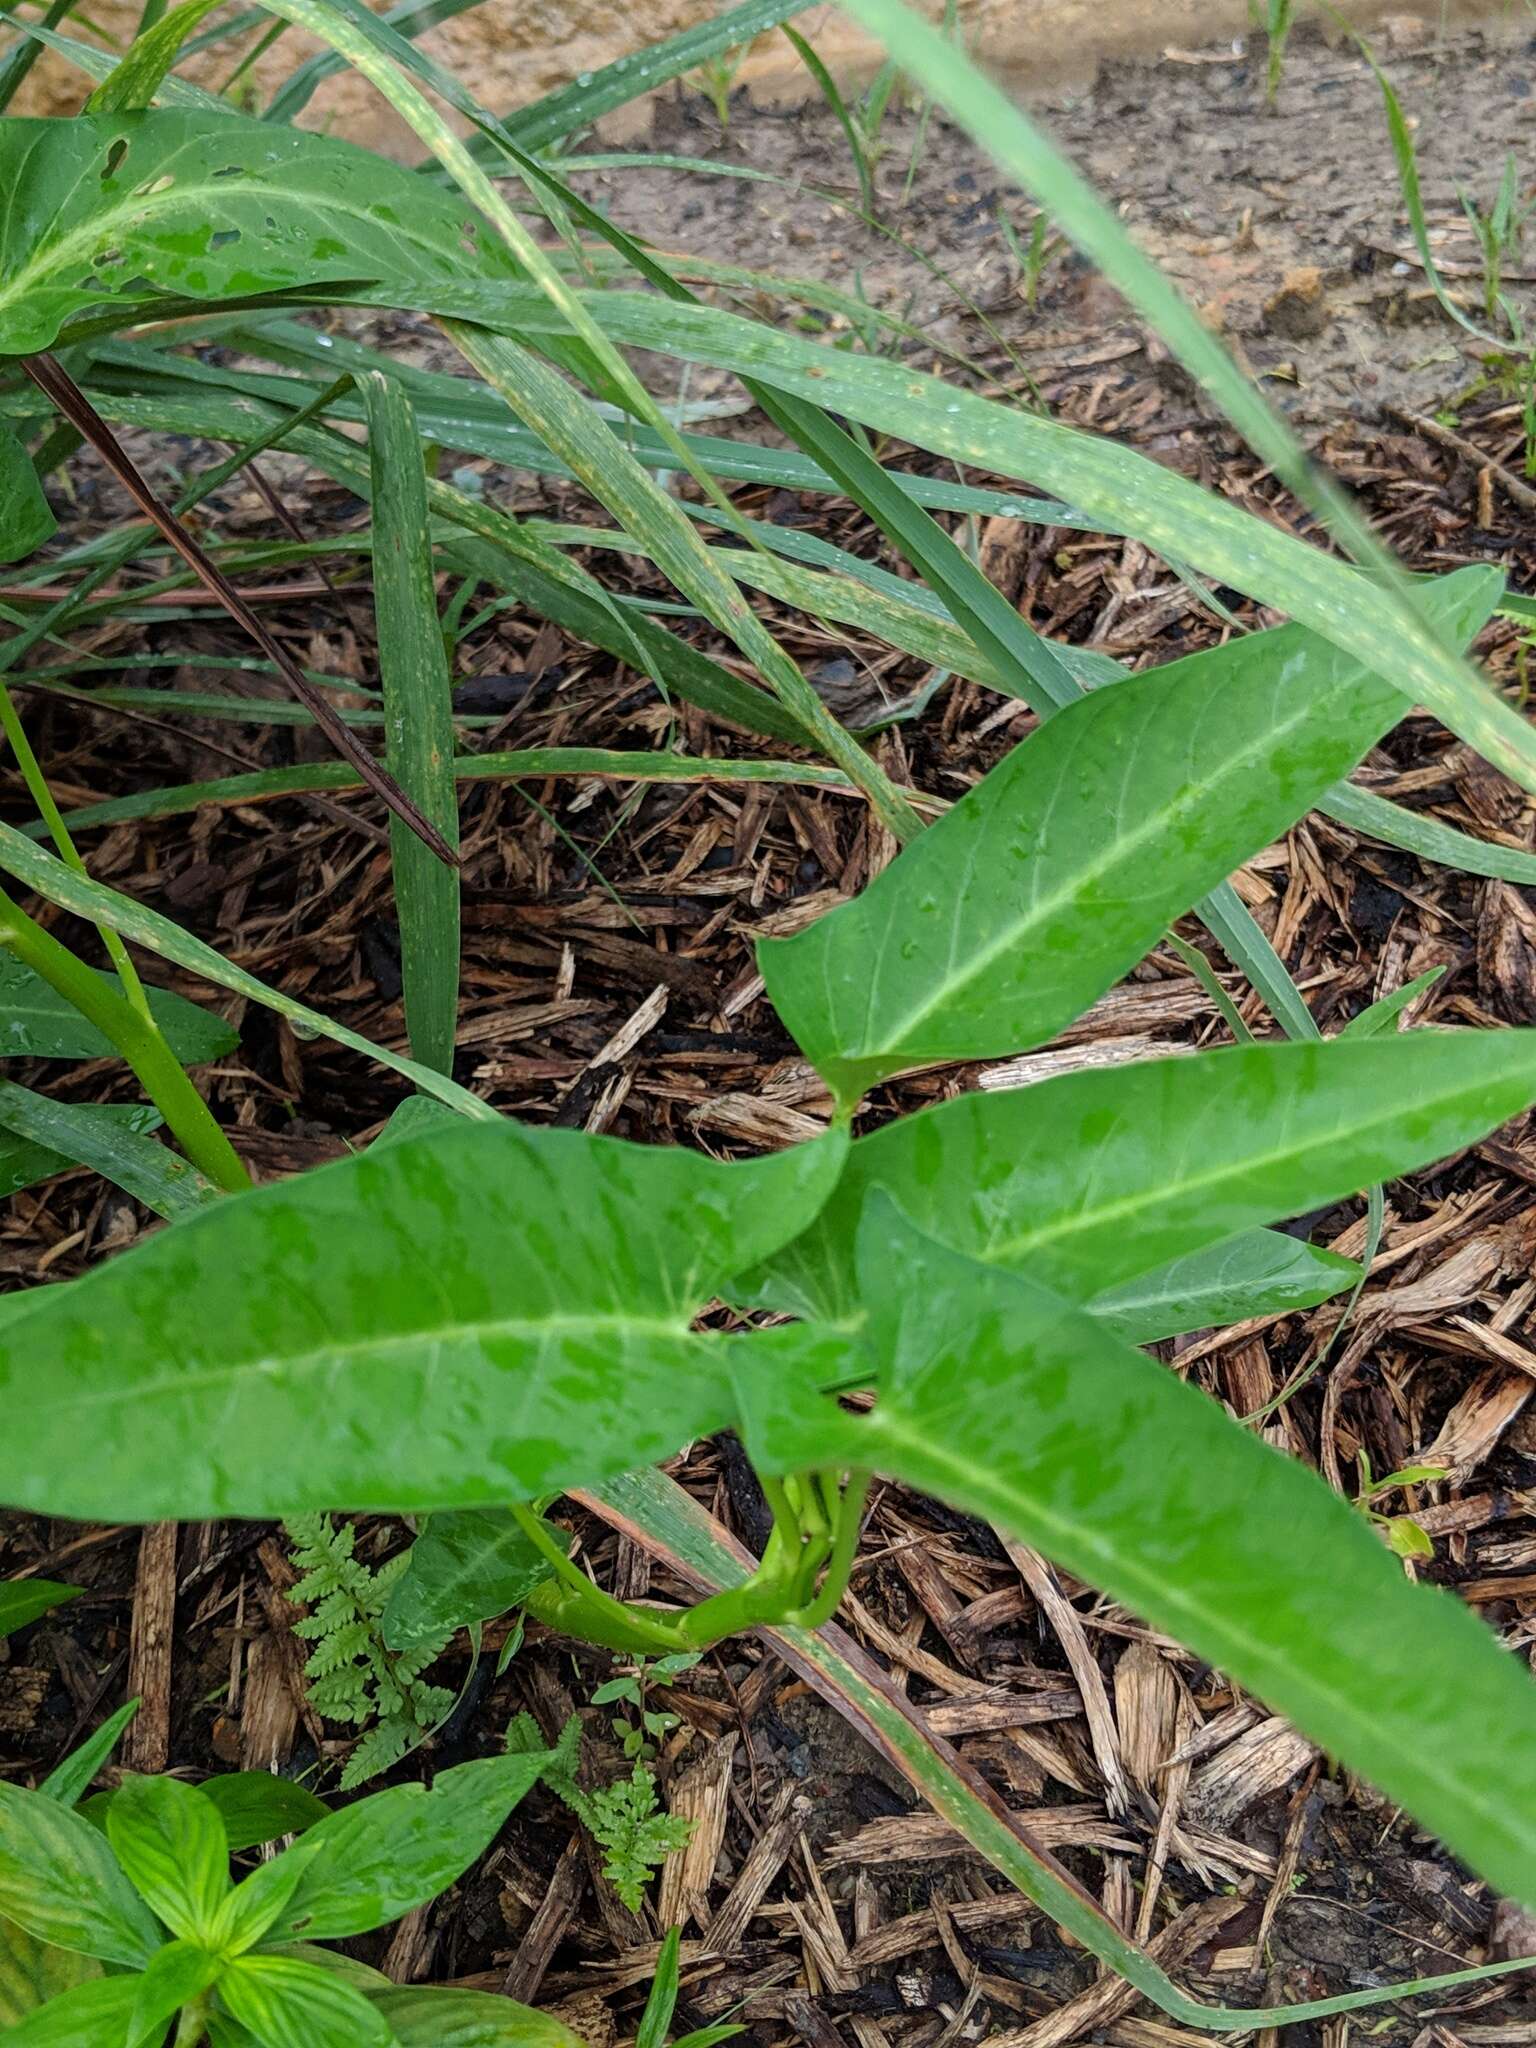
(1050, 879)
(425, 2016)
(1097, 1177)
(25, 520)
(25, 1600)
(36, 1023)
(171, 1843)
(371, 1862)
(176, 1973)
(464, 1567)
(95, 2014)
(288, 2004)
(468, 1318)
(120, 209)
(60, 1881)
(1003, 1399)
(1255, 1273)
(256, 1807)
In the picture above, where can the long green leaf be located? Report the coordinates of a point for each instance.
(1098, 1177)
(37, 1024)
(524, 1297)
(438, 2016)
(1256, 1273)
(147, 928)
(1055, 874)
(1005, 1400)
(44, 1137)
(1163, 509)
(418, 706)
(578, 105)
(380, 1857)
(25, 520)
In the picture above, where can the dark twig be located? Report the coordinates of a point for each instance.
(57, 385)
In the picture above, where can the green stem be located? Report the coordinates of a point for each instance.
(193, 2023)
(845, 1543)
(141, 1045)
(48, 811)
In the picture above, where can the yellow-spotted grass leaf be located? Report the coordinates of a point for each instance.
(1125, 490)
(1003, 1399)
(25, 520)
(40, 1137)
(60, 1881)
(114, 209)
(1256, 1273)
(171, 1843)
(466, 1319)
(418, 715)
(1095, 1178)
(656, 1513)
(1051, 878)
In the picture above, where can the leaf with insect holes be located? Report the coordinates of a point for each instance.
(122, 209)
(1008, 1402)
(1049, 880)
(25, 520)
(171, 1842)
(1094, 1178)
(521, 1299)
(466, 1566)
(60, 1881)
(36, 1023)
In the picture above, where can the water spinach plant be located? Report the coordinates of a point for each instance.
(473, 1317)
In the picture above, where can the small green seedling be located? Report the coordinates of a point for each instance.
(625, 1818)
(1403, 1535)
(639, 1738)
(118, 1925)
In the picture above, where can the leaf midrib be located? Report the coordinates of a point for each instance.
(1119, 852)
(1159, 1195)
(329, 1356)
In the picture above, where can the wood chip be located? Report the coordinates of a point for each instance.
(147, 1743)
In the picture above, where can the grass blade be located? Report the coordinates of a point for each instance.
(1429, 668)
(418, 709)
(157, 934)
